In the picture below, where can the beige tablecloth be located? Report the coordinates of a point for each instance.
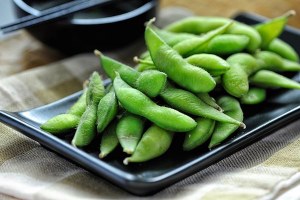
(268, 169)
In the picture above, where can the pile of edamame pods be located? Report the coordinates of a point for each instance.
(192, 80)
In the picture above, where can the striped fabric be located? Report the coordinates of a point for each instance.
(268, 169)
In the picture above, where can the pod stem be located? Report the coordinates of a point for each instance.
(243, 126)
(289, 14)
(126, 161)
(102, 155)
(138, 60)
(97, 52)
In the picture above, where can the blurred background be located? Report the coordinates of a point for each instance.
(270, 8)
(225, 8)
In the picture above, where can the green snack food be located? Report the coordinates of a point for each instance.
(270, 79)
(283, 49)
(138, 103)
(196, 45)
(179, 70)
(254, 96)
(203, 24)
(68, 121)
(235, 80)
(222, 131)
(109, 140)
(213, 64)
(133, 77)
(206, 98)
(129, 131)
(272, 28)
(152, 82)
(61, 124)
(155, 142)
(272, 61)
(107, 110)
(79, 106)
(86, 129)
(188, 102)
(226, 44)
(198, 135)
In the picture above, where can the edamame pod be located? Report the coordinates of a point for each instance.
(235, 80)
(283, 49)
(177, 69)
(68, 121)
(198, 135)
(213, 64)
(155, 142)
(196, 45)
(86, 129)
(62, 123)
(173, 38)
(109, 140)
(254, 96)
(206, 98)
(129, 131)
(203, 24)
(225, 44)
(107, 110)
(133, 77)
(270, 79)
(188, 102)
(272, 28)
(79, 106)
(232, 108)
(138, 103)
(272, 61)
(151, 82)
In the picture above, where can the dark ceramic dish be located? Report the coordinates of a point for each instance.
(147, 178)
(107, 27)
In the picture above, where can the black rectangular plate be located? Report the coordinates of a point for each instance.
(147, 178)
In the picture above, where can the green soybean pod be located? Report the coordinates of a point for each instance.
(109, 140)
(154, 143)
(196, 24)
(133, 77)
(206, 98)
(68, 121)
(138, 103)
(283, 49)
(222, 131)
(203, 24)
(151, 82)
(86, 129)
(270, 79)
(79, 106)
(271, 29)
(235, 80)
(173, 38)
(274, 62)
(188, 102)
(198, 135)
(62, 123)
(166, 59)
(254, 96)
(129, 131)
(213, 64)
(107, 110)
(195, 45)
(226, 44)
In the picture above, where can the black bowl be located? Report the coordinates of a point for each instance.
(106, 28)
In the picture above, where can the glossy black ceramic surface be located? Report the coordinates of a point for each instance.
(282, 107)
